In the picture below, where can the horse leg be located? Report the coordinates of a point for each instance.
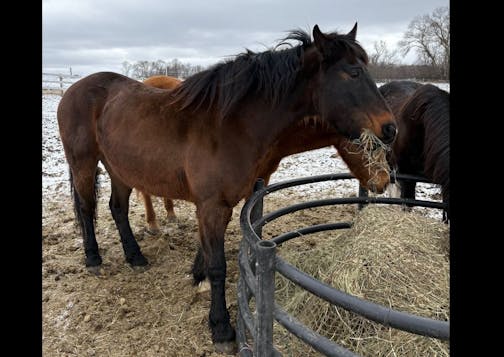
(119, 206)
(150, 215)
(213, 218)
(199, 273)
(170, 212)
(408, 190)
(198, 268)
(82, 183)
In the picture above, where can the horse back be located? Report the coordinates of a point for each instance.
(83, 103)
(396, 93)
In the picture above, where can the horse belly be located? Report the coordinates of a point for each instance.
(147, 160)
(159, 181)
(171, 184)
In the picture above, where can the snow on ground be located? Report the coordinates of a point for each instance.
(316, 162)
(54, 165)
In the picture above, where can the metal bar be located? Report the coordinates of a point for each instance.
(362, 193)
(246, 271)
(244, 349)
(309, 230)
(310, 337)
(265, 298)
(345, 200)
(246, 315)
(255, 215)
(257, 210)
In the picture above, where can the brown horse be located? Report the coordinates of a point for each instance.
(203, 141)
(422, 146)
(308, 134)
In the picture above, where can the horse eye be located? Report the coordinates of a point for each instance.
(355, 72)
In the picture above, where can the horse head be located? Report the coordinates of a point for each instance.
(345, 96)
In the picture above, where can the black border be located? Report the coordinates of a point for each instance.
(22, 188)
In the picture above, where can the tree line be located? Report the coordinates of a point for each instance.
(174, 68)
(428, 35)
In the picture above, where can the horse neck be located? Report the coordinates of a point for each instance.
(304, 135)
(281, 126)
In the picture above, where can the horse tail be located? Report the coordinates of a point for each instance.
(77, 202)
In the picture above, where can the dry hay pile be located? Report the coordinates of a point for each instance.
(390, 257)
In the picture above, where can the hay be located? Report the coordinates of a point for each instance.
(374, 153)
(390, 257)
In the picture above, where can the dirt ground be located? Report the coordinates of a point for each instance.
(123, 312)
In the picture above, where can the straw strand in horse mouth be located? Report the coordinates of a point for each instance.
(374, 152)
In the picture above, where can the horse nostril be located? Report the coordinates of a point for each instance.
(389, 132)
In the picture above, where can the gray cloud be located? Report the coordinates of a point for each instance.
(92, 35)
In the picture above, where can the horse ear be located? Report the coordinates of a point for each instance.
(321, 41)
(353, 32)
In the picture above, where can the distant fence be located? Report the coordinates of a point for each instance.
(57, 83)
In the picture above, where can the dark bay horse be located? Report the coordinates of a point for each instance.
(307, 134)
(202, 141)
(422, 146)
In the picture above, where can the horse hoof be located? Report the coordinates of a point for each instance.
(171, 219)
(138, 260)
(204, 286)
(95, 270)
(140, 269)
(93, 260)
(153, 231)
(228, 347)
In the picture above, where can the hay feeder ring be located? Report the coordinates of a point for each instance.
(258, 264)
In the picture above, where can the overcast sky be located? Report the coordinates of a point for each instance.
(98, 35)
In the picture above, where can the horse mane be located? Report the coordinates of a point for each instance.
(269, 75)
(431, 105)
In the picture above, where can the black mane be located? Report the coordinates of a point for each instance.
(268, 75)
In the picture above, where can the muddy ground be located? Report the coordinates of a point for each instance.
(123, 312)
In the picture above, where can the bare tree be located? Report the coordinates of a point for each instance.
(382, 55)
(429, 35)
(126, 68)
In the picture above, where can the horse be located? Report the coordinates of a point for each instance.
(202, 141)
(308, 134)
(422, 146)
